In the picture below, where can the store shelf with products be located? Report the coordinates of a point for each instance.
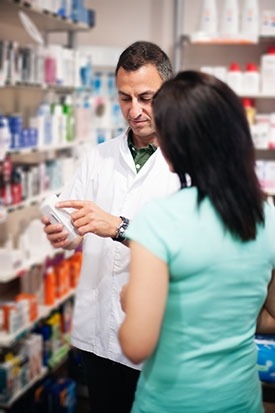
(241, 59)
(37, 283)
(40, 323)
(6, 339)
(45, 19)
(23, 390)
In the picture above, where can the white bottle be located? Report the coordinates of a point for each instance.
(5, 137)
(44, 113)
(251, 80)
(234, 78)
(250, 18)
(271, 143)
(268, 72)
(208, 18)
(230, 18)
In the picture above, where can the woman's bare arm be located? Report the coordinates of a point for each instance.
(143, 301)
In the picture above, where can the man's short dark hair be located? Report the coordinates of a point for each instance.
(143, 53)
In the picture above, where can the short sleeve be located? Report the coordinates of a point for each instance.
(148, 229)
(270, 228)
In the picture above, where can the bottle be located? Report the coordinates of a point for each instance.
(58, 124)
(45, 124)
(230, 18)
(234, 78)
(271, 142)
(268, 72)
(5, 137)
(16, 186)
(250, 111)
(250, 18)
(251, 79)
(49, 286)
(49, 68)
(208, 19)
(69, 115)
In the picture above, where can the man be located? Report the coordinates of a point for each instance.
(113, 182)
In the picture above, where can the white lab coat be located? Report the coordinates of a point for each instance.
(108, 177)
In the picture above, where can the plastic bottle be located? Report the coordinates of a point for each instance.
(58, 124)
(249, 107)
(16, 186)
(6, 174)
(5, 137)
(68, 112)
(44, 113)
(86, 73)
(230, 18)
(49, 287)
(208, 19)
(251, 79)
(271, 141)
(268, 72)
(250, 18)
(50, 68)
(234, 78)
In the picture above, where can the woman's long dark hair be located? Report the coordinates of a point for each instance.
(203, 132)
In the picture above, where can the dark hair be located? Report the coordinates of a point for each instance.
(203, 132)
(143, 53)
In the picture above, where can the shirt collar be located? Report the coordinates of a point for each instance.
(151, 148)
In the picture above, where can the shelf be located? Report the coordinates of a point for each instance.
(45, 20)
(40, 88)
(203, 38)
(265, 154)
(38, 150)
(45, 310)
(6, 339)
(29, 202)
(6, 277)
(237, 40)
(18, 394)
(257, 96)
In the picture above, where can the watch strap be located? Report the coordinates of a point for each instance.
(120, 233)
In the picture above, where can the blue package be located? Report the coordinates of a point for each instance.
(266, 357)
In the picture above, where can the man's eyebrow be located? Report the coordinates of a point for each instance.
(123, 93)
(147, 92)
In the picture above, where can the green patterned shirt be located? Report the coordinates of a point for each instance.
(140, 155)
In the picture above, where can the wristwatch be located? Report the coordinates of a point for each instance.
(120, 232)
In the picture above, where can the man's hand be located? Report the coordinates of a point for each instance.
(57, 235)
(88, 217)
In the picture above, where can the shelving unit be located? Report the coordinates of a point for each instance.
(46, 21)
(6, 339)
(24, 98)
(197, 50)
(23, 390)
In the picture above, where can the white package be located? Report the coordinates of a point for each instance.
(58, 215)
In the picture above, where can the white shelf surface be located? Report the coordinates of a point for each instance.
(239, 39)
(258, 95)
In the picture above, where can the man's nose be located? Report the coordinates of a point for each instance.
(135, 110)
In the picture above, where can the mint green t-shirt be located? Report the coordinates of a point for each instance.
(205, 360)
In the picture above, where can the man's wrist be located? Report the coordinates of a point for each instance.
(121, 229)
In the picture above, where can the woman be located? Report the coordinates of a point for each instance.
(201, 259)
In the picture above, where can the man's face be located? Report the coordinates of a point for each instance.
(135, 93)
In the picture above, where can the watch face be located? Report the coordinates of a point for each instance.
(122, 228)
